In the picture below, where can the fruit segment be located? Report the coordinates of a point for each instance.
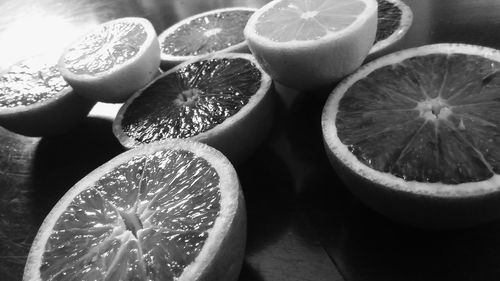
(145, 220)
(432, 118)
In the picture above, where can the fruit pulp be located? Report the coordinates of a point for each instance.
(146, 219)
(191, 100)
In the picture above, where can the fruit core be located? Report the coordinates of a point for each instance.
(212, 32)
(434, 109)
(308, 15)
(132, 221)
(187, 97)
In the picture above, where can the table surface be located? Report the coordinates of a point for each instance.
(302, 223)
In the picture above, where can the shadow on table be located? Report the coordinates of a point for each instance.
(16, 229)
(370, 247)
(269, 197)
(248, 273)
(61, 161)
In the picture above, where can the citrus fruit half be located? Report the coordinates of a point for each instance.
(213, 31)
(308, 44)
(36, 101)
(394, 21)
(113, 60)
(224, 100)
(165, 211)
(415, 134)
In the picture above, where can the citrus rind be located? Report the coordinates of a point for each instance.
(221, 256)
(48, 118)
(115, 85)
(169, 60)
(312, 64)
(385, 46)
(435, 205)
(238, 135)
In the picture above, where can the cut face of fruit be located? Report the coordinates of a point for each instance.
(447, 123)
(218, 30)
(34, 97)
(307, 20)
(191, 109)
(214, 100)
(394, 21)
(111, 51)
(423, 121)
(113, 60)
(170, 211)
(308, 44)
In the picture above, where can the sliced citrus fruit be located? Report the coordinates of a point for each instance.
(213, 31)
(36, 101)
(165, 211)
(308, 44)
(224, 100)
(113, 60)
(394, 21)
(416, 134)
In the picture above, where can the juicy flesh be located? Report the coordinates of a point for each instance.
(147, 219)
(109, 47)
(389, 19)
(433, 118)
(192, 100)
(29, 83)
(303, 20)
(207, 34)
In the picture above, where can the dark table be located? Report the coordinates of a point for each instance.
(303, 223)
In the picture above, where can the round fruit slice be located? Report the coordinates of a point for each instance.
(36, 101)
(214, 31)
(308, 44)
(113, 60)
(165, 211)
(394, 21)
(224, 100)
(415, 134)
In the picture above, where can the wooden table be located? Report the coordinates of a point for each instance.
(303, 224)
